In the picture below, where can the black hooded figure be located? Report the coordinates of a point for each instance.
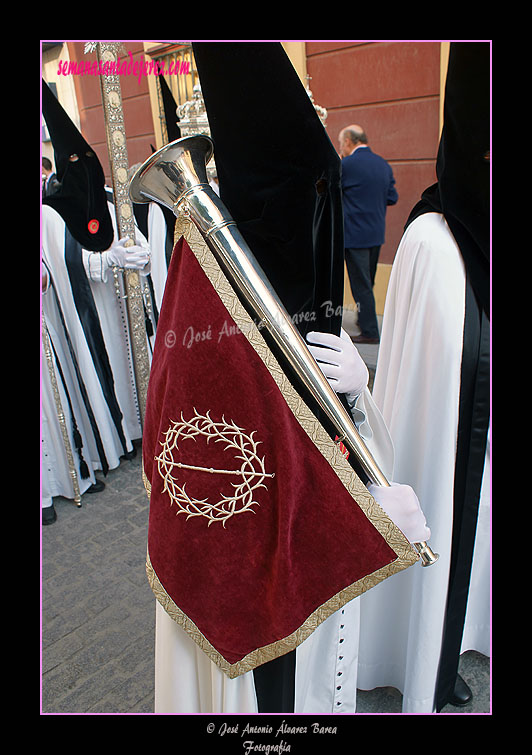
(170, 111)
(81, 201)
(279, 177)
(462, 195)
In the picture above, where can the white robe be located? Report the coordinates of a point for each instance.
(186, 681)
(157, 241)
(417, 386)
(53, 249)
(112, 311)
(56, 473)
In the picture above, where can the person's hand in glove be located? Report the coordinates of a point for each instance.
(340, 362)
(135, 257)
(402, 506)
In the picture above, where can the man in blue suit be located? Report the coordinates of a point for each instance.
(368, 187)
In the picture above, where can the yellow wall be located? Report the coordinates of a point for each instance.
(297, 53)
(444, 62)
(381, 286)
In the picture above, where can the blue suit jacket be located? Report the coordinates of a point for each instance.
(368, 186)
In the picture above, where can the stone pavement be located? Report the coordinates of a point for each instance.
(98, 612)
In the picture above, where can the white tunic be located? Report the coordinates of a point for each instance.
(417, 386)
(113, 315)
(56, 472)
(157, 241)
(53, 248)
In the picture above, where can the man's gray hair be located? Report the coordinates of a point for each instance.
(356, 135)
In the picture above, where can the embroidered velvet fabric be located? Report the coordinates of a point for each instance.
(285, 547)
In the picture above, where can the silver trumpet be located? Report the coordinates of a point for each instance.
(176, 177)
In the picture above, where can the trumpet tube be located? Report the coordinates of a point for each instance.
(176, 176)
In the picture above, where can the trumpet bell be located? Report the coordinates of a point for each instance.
(172, 170)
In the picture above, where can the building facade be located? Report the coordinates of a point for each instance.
(392, 88)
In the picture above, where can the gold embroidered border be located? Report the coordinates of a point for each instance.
(406, 554)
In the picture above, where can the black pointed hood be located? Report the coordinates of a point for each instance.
(81, 200)
(170, 111)
(279, 174)
(462, 192)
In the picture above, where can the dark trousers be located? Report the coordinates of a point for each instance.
(361, 268)
(275, 684)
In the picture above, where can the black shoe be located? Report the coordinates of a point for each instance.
(365, 339)
(129, 455)
(48, 515)
(462, 694)
(97, 487)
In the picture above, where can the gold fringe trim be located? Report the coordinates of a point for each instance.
(406, 554)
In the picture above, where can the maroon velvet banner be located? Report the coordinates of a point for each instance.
(252, 533)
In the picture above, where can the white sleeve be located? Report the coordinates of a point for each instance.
(96, 266)
(373, 431)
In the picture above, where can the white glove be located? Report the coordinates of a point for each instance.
(402, 506)
(134, 257)
(339, 361)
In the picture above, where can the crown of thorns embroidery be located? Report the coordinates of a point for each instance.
(251, 473)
